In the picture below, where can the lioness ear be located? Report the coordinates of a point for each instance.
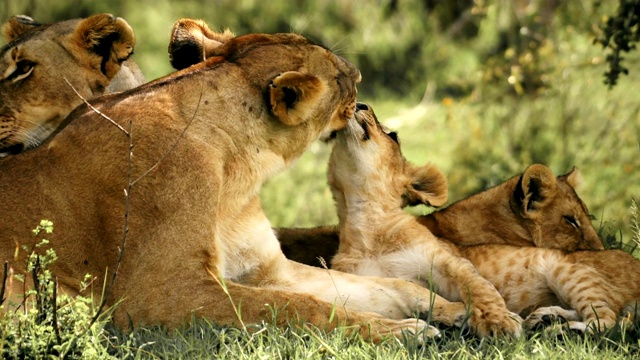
(427, 186)
(108, 39)
(535, 189)
(192, 41)
(294, 96)
(573, 177)
(17, 26)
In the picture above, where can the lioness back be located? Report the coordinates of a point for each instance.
(91, 54)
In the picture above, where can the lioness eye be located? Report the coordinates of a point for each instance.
(23, 69)
(573, 221)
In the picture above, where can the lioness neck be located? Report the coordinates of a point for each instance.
(484, 218)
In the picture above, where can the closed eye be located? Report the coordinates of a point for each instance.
(573, 221)
(23, 69)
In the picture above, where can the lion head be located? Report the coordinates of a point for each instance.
(39, 59)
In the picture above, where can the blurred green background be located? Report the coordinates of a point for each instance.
(481, 88)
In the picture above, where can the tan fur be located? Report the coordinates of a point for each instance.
(368, 179)
(534, 209)
(195, 219)
(598, 285)
(92, 54)
(370, 182)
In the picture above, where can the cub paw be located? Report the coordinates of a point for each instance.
(496, 323)
(546, 316)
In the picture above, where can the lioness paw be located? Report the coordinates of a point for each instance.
(415, 328)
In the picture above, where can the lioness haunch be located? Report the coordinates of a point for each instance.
(198, 242)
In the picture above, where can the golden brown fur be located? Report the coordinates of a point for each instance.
(598, 285)
(37, 61)
(194, 217)
(371, 181)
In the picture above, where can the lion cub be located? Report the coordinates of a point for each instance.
(370, 181)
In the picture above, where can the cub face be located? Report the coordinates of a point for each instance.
(367, 160)
(552, 211)
(37, 62)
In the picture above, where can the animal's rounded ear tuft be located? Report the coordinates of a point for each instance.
(427, 186)
(192, 42)
(294, 96)
(108, 39)
(17, 26)
(573, 177)
(536, 188)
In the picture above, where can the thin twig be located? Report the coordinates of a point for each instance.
(125, 229)
(54, 302)
(96, 110)
(4, 282)
(175, 143)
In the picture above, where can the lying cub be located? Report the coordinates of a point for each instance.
(371, 182)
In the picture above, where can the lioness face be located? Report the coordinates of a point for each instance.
(38, 61)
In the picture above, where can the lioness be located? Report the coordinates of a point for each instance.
(532, 209)
(191, 151)
(371, 181)
(37, 61)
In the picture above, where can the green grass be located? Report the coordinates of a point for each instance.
(205, 340)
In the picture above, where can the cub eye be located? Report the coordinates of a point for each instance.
(394, 136)
(23, 69)
(573, 221)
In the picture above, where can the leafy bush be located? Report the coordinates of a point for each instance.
(46, 323)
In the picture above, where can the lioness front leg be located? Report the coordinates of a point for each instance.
(389, 297)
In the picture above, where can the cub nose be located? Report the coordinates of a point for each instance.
(361, 106)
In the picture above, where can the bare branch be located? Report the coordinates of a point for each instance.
(96, 110)
(4, 282)
(184, 131)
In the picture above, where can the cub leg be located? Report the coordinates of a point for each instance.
(583, 289)
(489, 313)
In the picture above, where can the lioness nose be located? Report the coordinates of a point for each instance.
(361, 106)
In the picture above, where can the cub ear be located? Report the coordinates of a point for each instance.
(109, 41)
(16, 26)
(573, 177)
(427, 185)
(192, 41)
(535, 190)
(294, 96)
